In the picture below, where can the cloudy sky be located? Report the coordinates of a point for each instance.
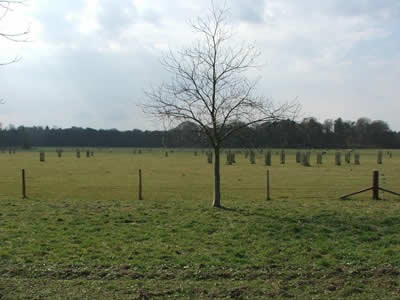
(88, 61)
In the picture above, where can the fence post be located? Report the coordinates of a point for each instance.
(356, 158)
(379, 157)
(268, 195)
(267, 158)
(252, 157)
(319, 158)
(338, 158)
(23, 184)
(282, 157)
(298, 156)
(375, 185)
(229, 158)
(140, 185)
(210, 157)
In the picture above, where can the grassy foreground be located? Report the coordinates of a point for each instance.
(83, 234)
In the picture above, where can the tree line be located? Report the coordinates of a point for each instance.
(309, 133)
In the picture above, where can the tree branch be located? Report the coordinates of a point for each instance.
(209, 84)
(7, 6)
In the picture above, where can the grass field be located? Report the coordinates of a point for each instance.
(82, 233)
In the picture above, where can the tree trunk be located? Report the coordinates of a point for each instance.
(217, 180)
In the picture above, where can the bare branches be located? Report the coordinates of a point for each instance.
(264, 113)
(7, 6)
(209, 84)
(14, 60)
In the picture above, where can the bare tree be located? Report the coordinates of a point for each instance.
(209, 87)
(7, 6)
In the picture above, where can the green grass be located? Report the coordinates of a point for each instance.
(83, 234)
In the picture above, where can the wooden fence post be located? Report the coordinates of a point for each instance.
(306, 159)
(375, 188)
(282, 157)
(357, 158)
(375, 185)
(140, 196)
(347, 157)
(229, 158)
(23, 184)
(210, 157)
(298, 157)
(267, 158)
(319, 158)
(267, 192)
(252, 157)
(338, 158)
(379, 157)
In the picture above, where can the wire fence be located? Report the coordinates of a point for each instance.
(114, 174)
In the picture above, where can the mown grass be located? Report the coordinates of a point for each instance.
(83, 234)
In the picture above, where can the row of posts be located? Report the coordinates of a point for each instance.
(302, 157)
(375, 187)
(10, 151)
(59, 152)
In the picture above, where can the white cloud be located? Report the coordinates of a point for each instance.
(85, 20)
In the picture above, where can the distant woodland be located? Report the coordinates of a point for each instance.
(309, 133)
